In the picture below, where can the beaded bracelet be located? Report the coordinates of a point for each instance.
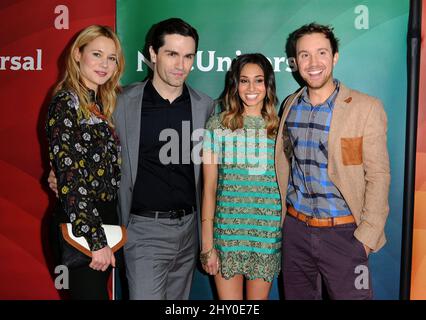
(204, 256)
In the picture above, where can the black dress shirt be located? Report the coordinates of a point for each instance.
(165, 178)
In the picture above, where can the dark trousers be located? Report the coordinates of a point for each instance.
(332, 255)
(88, 284)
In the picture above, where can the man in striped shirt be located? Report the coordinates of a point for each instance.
(331, 150)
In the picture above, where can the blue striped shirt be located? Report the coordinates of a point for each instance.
(310, 190)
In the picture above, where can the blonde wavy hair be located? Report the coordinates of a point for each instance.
(107, 93)
(232, 117)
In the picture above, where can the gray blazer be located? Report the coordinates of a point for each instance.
(127, 120)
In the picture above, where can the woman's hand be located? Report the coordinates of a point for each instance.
(102, 258)
(212, 263)
(53, 182)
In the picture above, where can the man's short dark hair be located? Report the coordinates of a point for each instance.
(171, 26)
(310, 28)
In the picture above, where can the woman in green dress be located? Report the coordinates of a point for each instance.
(241, 210)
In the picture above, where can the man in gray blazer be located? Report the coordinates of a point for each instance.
(159, 196)
(160, 187)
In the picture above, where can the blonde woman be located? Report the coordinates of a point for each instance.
(85, 152)
(241, 211)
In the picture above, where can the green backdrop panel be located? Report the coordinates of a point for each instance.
(372, 59)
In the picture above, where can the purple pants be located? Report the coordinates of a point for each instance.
(330, 254)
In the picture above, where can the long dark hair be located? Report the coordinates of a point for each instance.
(234, 108)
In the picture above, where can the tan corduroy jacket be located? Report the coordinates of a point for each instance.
(358, 161)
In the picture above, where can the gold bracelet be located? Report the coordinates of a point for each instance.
(207, 219)
(204, 256)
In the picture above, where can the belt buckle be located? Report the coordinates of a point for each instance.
(173, 214)
(177, 214)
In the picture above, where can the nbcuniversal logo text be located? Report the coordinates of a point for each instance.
(209, 61)
(26, 63)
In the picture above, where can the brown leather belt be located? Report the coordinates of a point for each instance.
(319, 222)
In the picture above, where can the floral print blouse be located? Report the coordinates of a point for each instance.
(85, 156)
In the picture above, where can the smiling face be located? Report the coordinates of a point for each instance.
(173, 61)
(97, 62)
(251, 88)
(316, 61)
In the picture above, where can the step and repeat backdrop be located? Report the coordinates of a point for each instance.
(33, 35)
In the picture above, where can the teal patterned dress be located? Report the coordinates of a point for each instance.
(247, 223)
